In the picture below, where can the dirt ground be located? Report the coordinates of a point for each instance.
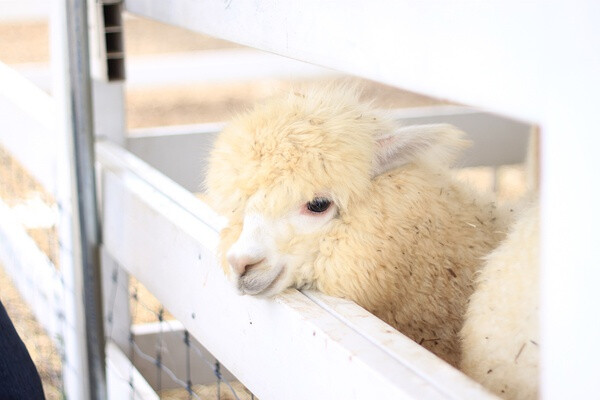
(217, 102)
(27, 42)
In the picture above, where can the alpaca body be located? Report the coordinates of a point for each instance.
(410, 255)
(501, 331)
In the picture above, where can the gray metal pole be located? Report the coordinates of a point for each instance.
(89, 228)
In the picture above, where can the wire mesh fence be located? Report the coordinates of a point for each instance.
(36, 211)
(167, 355)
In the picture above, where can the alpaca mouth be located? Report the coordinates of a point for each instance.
(258, 282)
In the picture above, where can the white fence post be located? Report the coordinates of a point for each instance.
(107, 70)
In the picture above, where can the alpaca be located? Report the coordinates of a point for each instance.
(323, 191)
(500, 337)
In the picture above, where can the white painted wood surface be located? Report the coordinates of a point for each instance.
(109, 110)
(169, 246)
(24, 10)
(201, 67)
(215, 66)
(28, 122)
(480, 53)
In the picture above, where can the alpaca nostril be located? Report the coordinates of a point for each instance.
(241, 264)
(249, 266)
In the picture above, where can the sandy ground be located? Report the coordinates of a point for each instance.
(217, 102)
(28, 43)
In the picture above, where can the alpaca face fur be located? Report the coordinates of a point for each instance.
(402, 238)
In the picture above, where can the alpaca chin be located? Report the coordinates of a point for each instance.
(260, 282)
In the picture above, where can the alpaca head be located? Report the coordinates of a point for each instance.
(287, 172)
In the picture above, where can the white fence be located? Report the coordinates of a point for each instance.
(499, 55)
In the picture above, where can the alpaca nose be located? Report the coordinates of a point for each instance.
(242, 263)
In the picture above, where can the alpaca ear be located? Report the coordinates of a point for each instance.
(435, 144)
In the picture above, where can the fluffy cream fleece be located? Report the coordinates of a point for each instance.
(406, 241)
(501, 331)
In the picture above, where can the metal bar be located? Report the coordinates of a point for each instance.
(87, 212)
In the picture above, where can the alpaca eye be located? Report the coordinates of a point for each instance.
(318, 205)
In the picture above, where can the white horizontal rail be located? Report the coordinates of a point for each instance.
(181, 152)
(202, 67)
(34, 275)
(160, 131)
(19, 10)
(28, 129)
(267, 344)
(180, 156)
(451, 381)
(215, 66)
(472, 52)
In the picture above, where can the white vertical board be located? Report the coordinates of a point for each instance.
(570, 274)
(267, 344)
(109, 110)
